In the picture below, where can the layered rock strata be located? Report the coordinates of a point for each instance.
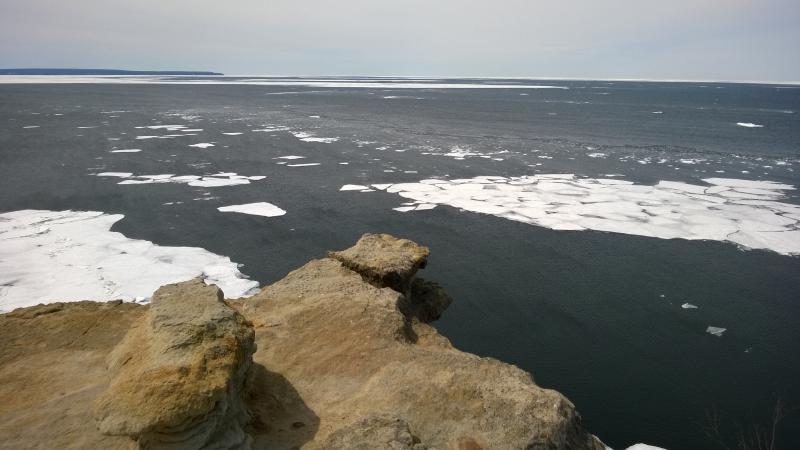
(337, 355)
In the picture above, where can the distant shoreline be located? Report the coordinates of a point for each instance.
(57, 71)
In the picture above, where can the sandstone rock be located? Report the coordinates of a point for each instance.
(426, 301)
(52, 366)
(375, 433)
(344, 360)
(384, 260)
(345, 346)
(180, 373)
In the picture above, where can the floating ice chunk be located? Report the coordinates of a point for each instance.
(290, 157)
(353, 187)
(688, 306)
(313, 117)
(302, 165)
(147, 137)
(404, 208)
(115, 174)
(425, 206)
(381, 187)
(596, 155)
(79, 258)
(218, 182)
(256, 209)
(749, 125)
(202, 145)
(127, 150)
(657, 112)
(716, 331)
(231, 134)
(308, 137)
(27, 127)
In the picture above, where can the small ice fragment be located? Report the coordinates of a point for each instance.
(256, 209)
(202, 145)
(353, 187)
(688, 306)
(716, 331)
(749, 125)
(115, 174)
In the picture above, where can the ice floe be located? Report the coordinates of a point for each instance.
(202, 145)
(289, 157)
(745, 212)
(256, 209)
(48, 256)
(127, 150)
(716, 331)
(749, 125)
(302, 165)
(353, 187)
(307, 137)
(215, 180)
(231, 134)
(688, 306)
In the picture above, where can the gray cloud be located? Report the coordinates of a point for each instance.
(683, 39)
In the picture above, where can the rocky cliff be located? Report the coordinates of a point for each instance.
(337, 355)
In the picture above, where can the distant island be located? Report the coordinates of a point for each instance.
(46, 71)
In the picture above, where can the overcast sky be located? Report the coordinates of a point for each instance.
(670, 39)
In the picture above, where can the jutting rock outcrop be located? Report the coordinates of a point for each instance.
(337, 355)
(180, 373)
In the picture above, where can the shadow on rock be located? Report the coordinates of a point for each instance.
(280, 419)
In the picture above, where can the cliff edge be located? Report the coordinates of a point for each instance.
(337, 355)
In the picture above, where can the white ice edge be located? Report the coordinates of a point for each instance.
(256, 209)
(744, 212)
(48, 256)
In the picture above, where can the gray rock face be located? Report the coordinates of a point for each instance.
(180, 373)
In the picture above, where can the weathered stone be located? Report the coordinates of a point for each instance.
(348, 350)
(342, 362)
(384, 260)
(52, 366)
(425, 301)
(180, 373)
(375, 433)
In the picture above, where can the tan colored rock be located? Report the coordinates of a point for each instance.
(375, 433)
(384, 260)
(52, 367)
(342, 362)
(180, 373)
(349, 353)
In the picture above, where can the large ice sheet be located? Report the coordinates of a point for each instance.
(745, 212)
(48, 256)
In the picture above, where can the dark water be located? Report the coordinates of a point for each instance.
(582, 311)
